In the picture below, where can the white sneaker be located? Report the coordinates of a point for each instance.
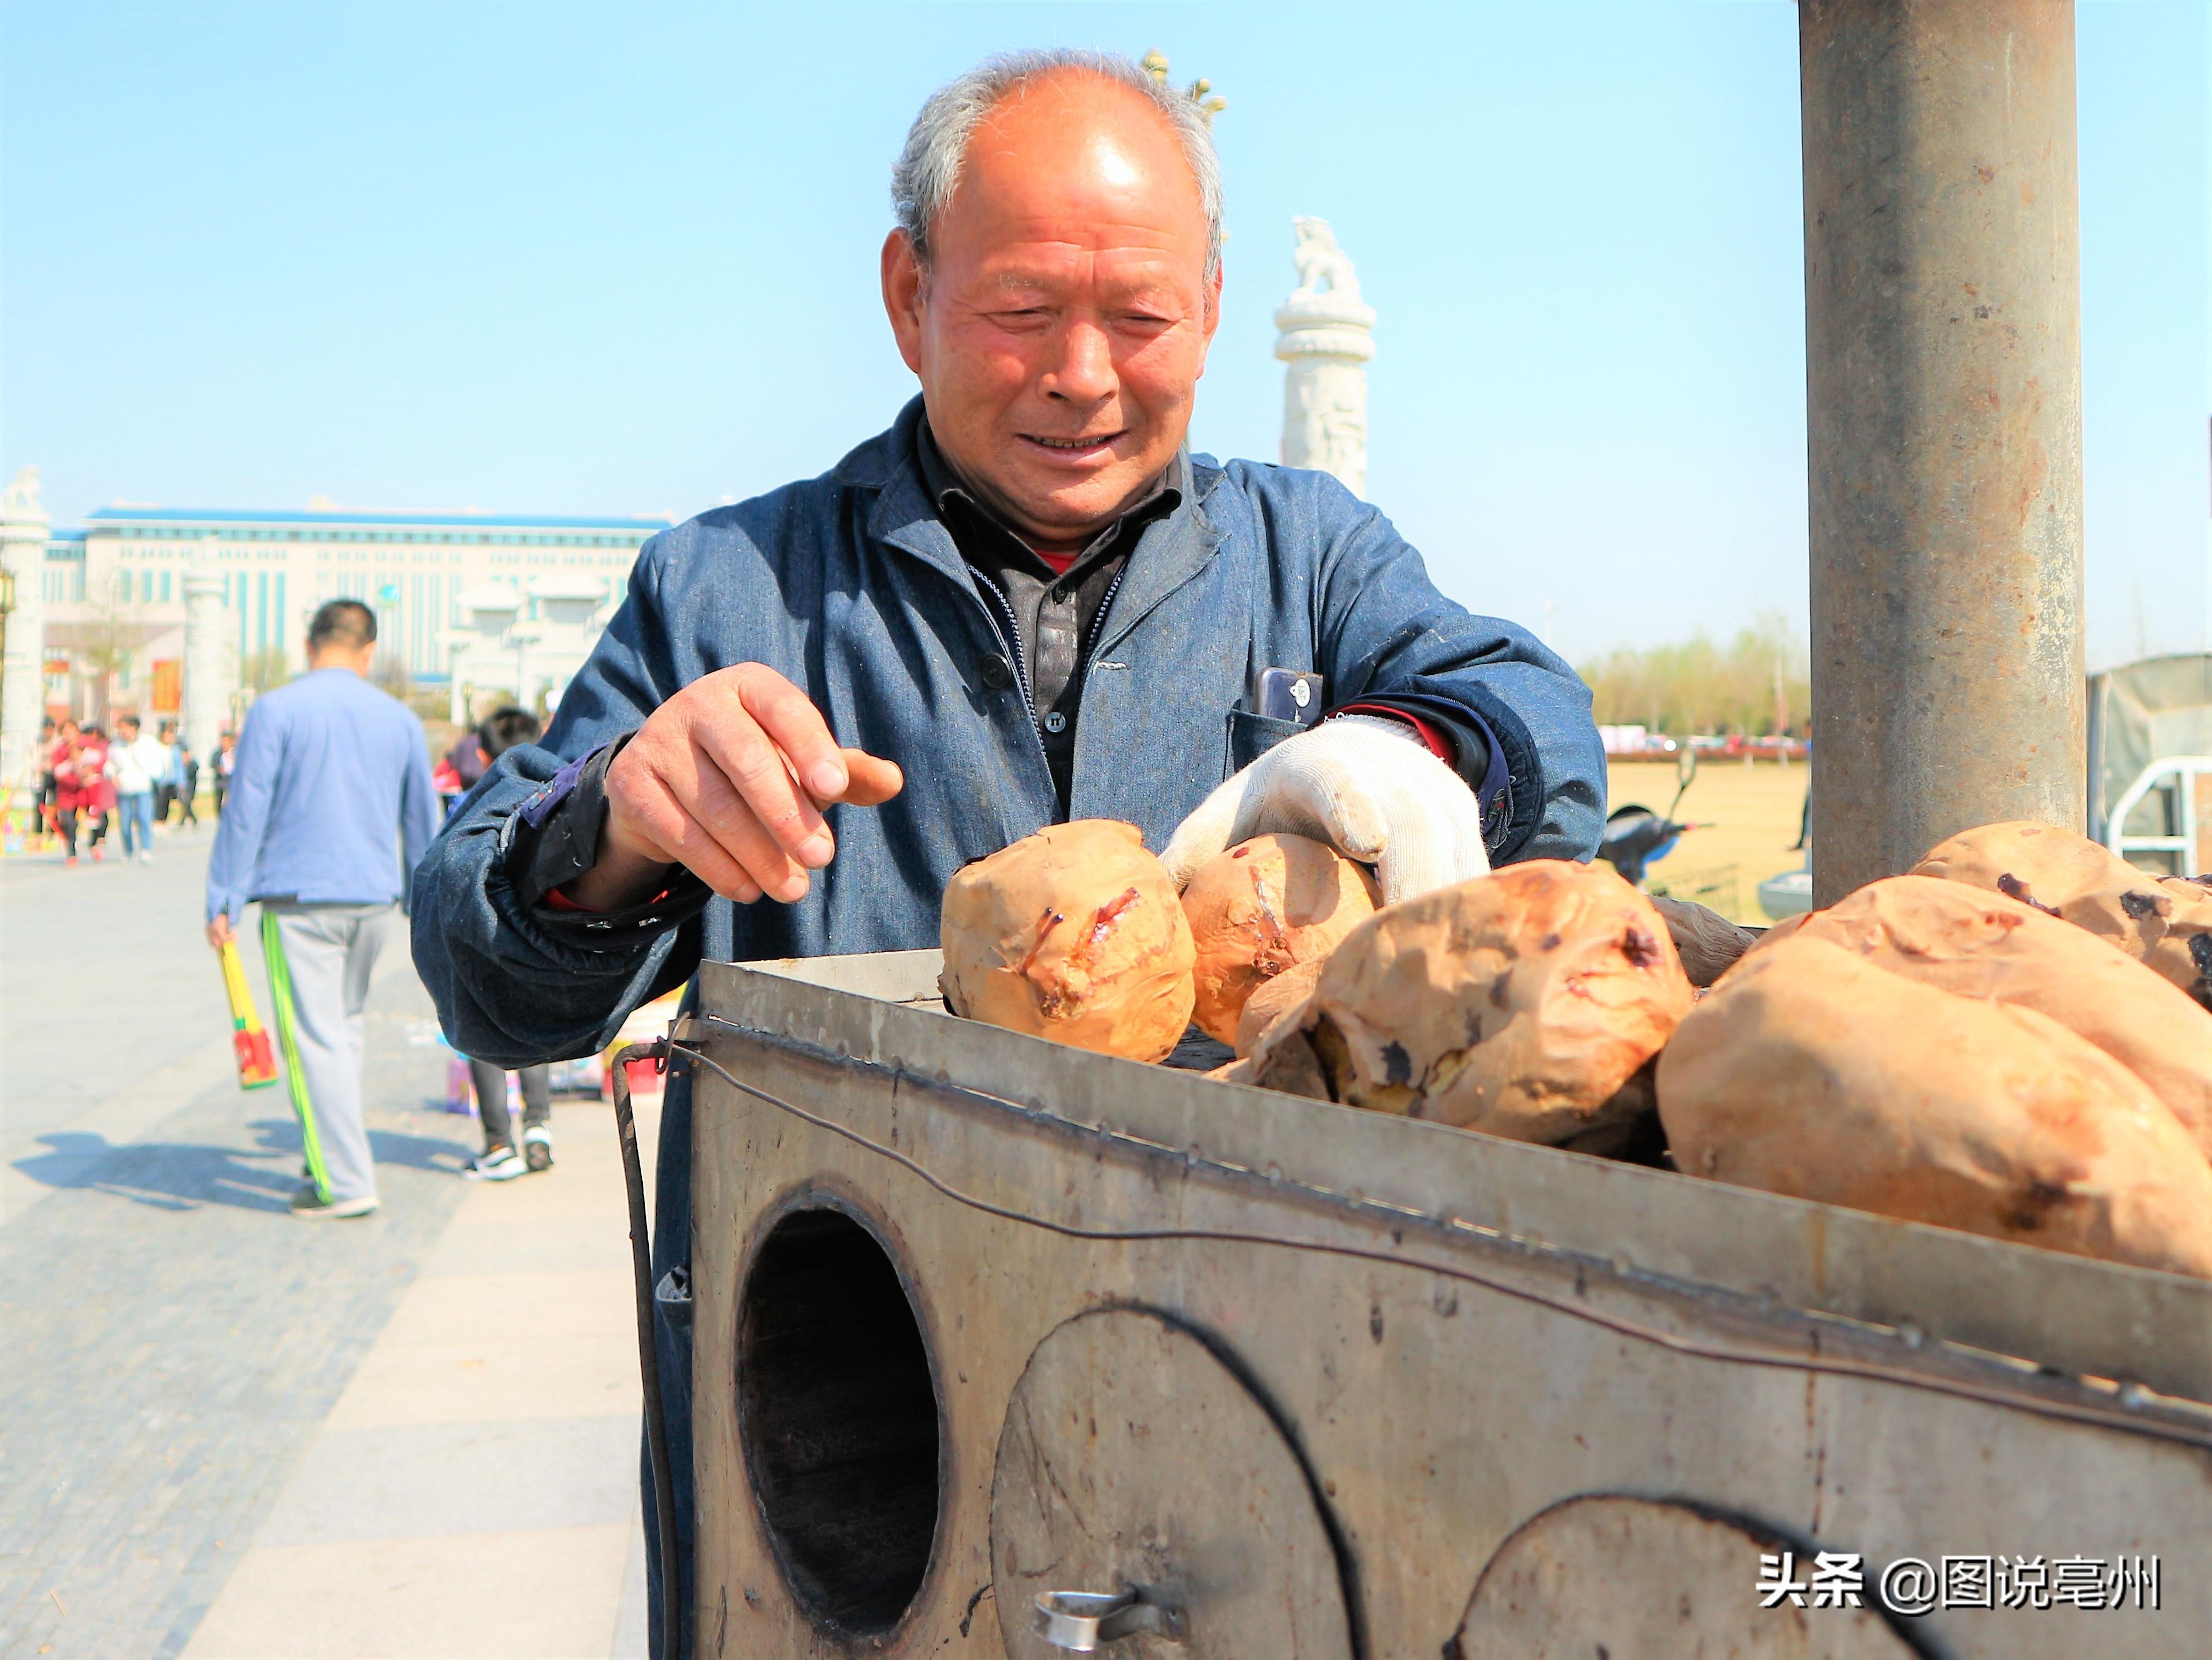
(145, 855)
(499, 1164)
(538, 1147)
(312, 1205)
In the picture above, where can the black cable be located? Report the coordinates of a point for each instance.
(1876, 1371)
(648, 1358)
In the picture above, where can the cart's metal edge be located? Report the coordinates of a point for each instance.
(2068, 1313)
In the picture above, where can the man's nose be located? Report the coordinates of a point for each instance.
(1085, 373)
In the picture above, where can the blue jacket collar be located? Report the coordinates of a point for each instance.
(1171, 552)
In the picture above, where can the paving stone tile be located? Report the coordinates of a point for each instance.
(526, 1303)
(547, 1593)
(174, 1338)
(505, 1380)
(401, 1480)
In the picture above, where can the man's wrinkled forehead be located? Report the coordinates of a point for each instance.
(1118, 256)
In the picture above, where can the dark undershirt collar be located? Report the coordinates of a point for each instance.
(946, 489)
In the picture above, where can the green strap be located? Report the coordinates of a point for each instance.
(288, 1037)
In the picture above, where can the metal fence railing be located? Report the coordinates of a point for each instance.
(1717, 887)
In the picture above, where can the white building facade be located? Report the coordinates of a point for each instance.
(115, 600)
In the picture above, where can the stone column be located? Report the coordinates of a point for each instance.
(1944, 358)
(23, 526)
(211, 669)
(1327, 336)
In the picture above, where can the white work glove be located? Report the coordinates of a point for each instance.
(1366, 785)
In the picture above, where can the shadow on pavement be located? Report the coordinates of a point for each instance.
(185, 1174)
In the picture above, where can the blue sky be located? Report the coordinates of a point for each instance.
(597, 257)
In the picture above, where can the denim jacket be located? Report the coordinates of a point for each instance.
(851, 586)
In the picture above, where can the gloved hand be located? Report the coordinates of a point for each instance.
(1363, 783)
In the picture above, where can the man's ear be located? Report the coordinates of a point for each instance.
(903, 282)
(1212, 310)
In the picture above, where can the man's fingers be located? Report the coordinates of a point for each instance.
(870, 780)
(698, 850)
(796, 728)
(678, 836)
(730, 778)
(1413, 864)
(1208, 831)
(740, 768)
(695, 818)
(719, 806)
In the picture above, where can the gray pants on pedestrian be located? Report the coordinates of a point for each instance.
(319, 957)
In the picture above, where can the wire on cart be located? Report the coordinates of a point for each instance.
(1696, 1348)
(648, 1357)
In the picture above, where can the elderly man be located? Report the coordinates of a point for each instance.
(1025, 602)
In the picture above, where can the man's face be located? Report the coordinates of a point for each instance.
(1062, 326)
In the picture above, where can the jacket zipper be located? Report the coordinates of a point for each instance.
(1098, 620)
(1014, 657)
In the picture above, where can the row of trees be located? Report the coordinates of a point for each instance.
(1758, 684)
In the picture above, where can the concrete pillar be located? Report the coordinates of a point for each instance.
(24, 523)
(1942, 300)
(210, 668)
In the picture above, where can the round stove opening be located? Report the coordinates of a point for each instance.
(838, 1415)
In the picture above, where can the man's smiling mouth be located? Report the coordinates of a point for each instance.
(1100, 442)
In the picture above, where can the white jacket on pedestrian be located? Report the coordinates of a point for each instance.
(138, 764)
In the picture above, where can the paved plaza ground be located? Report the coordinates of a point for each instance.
(227, 1434)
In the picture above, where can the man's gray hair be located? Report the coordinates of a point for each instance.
(928, 168)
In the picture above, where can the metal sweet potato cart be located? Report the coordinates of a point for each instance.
(1005, 1347)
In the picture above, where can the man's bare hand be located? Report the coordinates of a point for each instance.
(728, 778)
(218, 932)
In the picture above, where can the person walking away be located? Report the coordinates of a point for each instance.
(185, 781)
(42, 809)
(499, 1162)
(142, 760)
(165, 782)
(467, 759)
(330, 775)
(95, 776)
(226, 757)
(69, 799)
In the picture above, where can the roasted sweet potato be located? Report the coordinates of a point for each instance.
(1982, 945)
(1074, 934)
(1264, 906)
(1814, 1071)
(2163, 921)
(1517, 1004)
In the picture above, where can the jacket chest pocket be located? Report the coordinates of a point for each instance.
(1251, 736)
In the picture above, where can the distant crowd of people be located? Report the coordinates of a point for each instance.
(91, 781)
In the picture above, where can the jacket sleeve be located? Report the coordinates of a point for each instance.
(1387, 632)
(244, 818)
(418, 813)
(509, 990)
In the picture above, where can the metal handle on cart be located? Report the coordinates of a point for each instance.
(1081, 1621)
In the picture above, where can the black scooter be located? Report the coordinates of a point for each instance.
(1635, 836)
